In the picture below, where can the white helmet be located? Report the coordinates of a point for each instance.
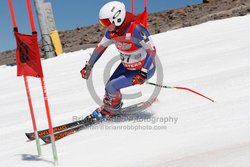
(112, 12)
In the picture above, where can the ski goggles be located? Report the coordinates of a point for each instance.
(105, 22)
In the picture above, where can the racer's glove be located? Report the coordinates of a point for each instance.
(85, 72)
(140, 78)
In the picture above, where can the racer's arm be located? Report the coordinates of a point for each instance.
(142, 37)
(100, 48)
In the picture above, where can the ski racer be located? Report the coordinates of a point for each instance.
(137, 53)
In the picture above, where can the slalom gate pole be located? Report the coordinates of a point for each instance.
(38, 145)
(180, 88)
(12, 13)
(133, 6)
(32, 23)
(146, 9)
(49, 122)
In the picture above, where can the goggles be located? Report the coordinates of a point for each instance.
(105, 22)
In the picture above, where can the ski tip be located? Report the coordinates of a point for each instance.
(30, 136)
(156, 100)
(149, 102)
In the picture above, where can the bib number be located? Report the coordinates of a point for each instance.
(125, 58)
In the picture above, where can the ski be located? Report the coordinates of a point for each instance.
(84, 123)
(61, 134)
(31, 136)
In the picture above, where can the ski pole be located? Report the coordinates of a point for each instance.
(180, 88)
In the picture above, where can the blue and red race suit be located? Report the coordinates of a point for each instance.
(137, 52)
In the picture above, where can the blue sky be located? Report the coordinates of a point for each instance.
(70, 14)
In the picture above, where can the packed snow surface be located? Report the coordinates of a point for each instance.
(180, 130)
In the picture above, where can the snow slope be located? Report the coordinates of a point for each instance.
(213, 58)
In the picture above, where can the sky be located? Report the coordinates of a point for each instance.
(70, 14)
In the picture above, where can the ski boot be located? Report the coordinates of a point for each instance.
(111, 106)
(89, 120)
